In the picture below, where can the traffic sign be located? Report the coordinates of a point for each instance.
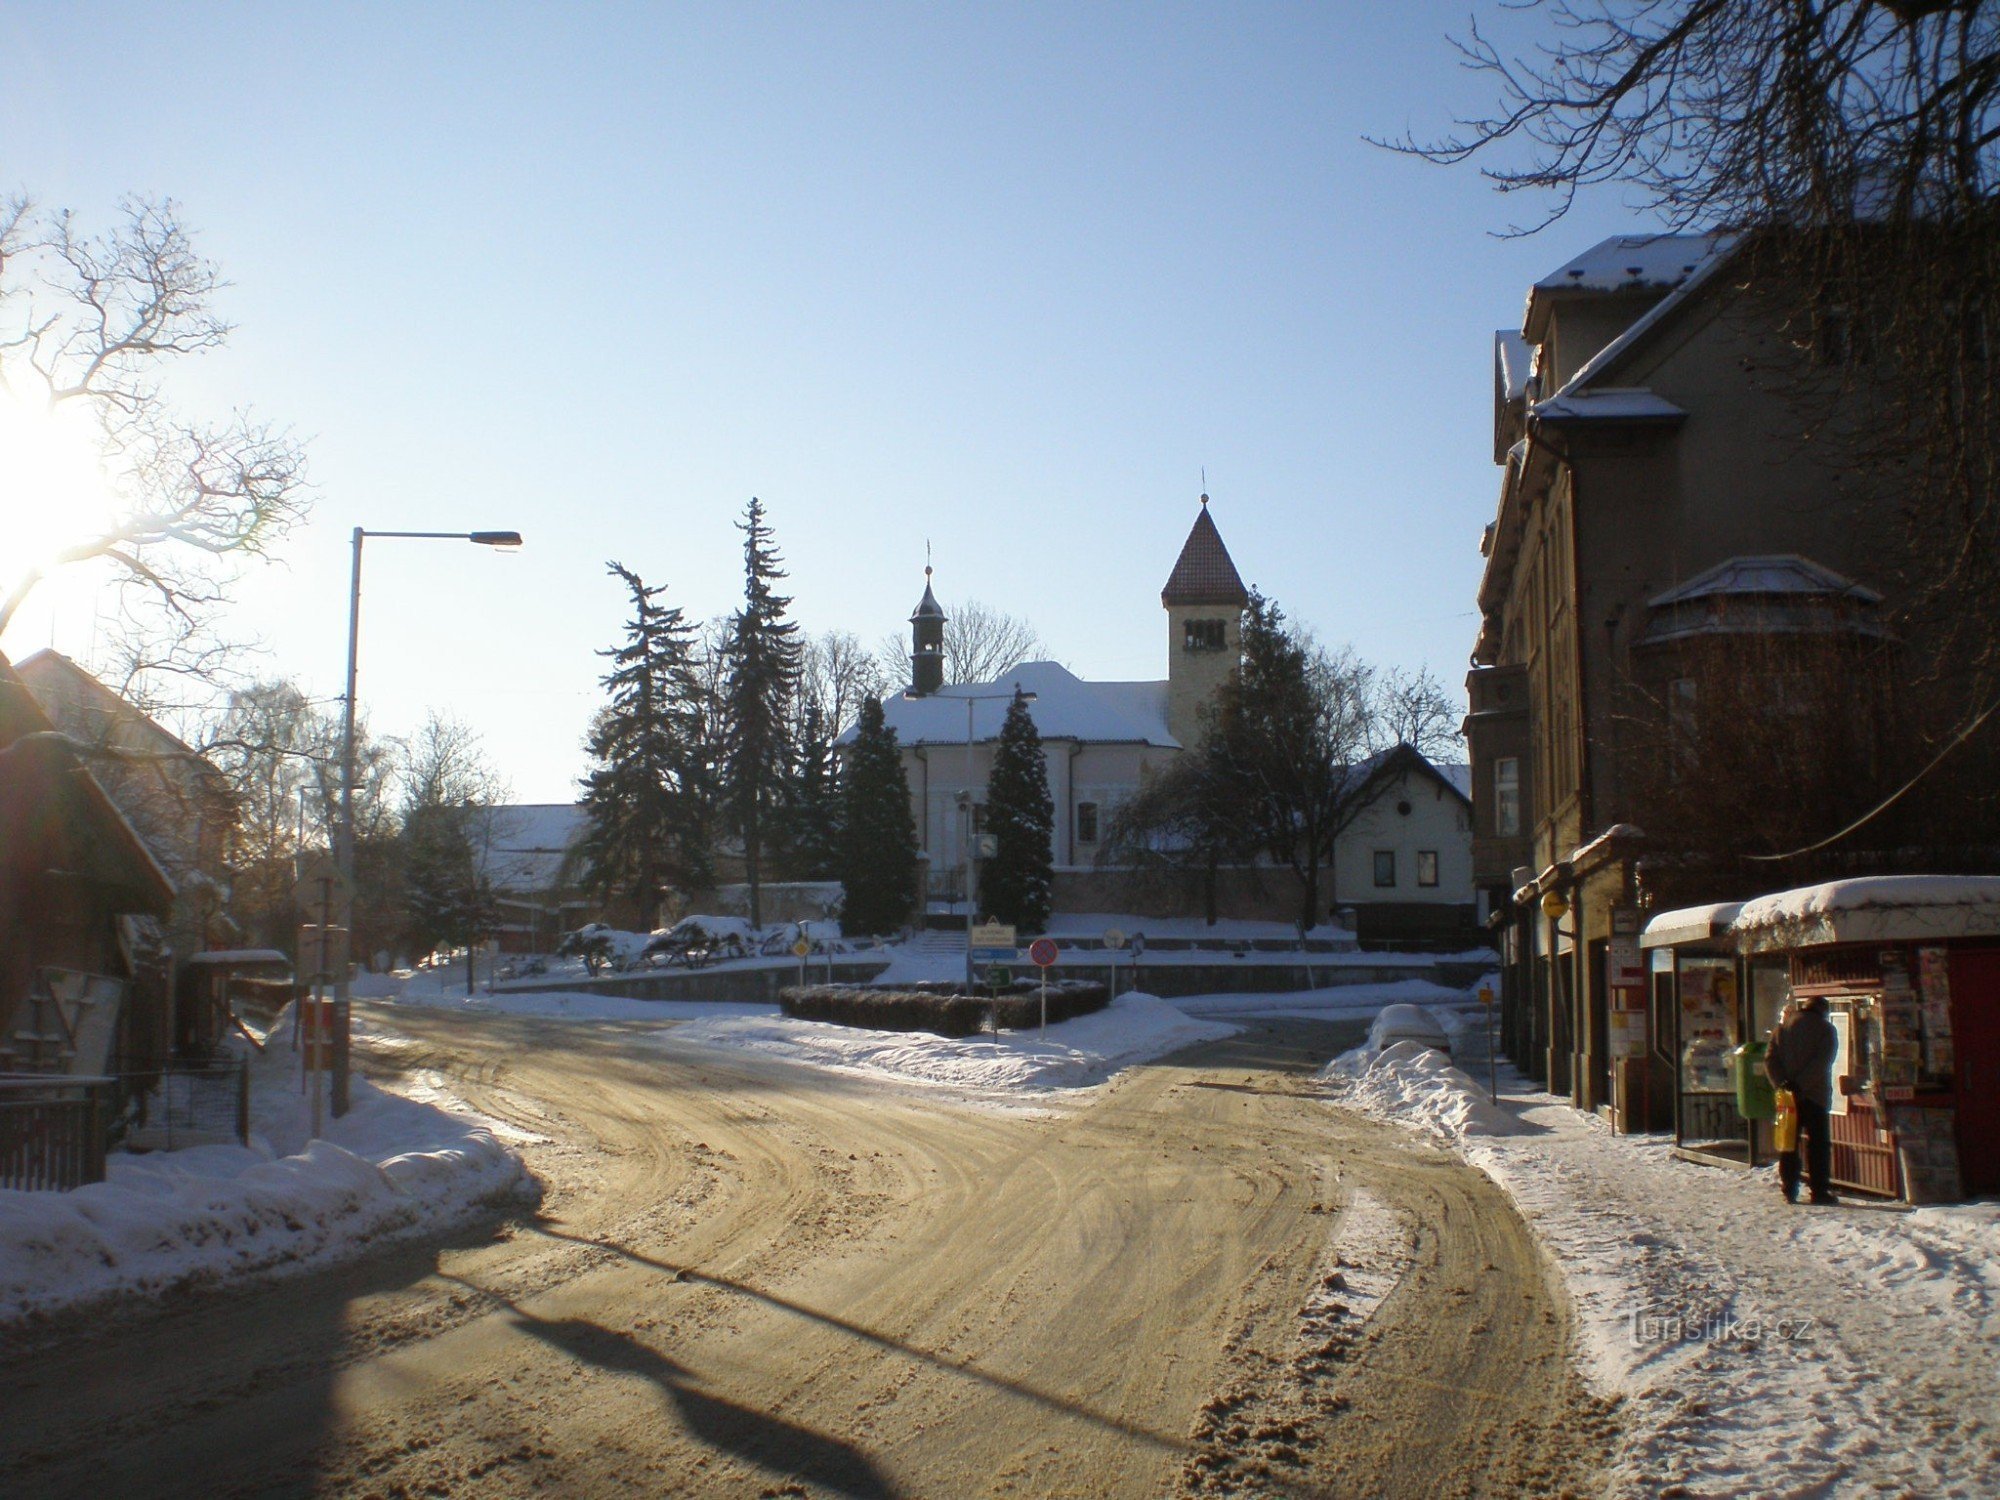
(321, 887)
(1486, 994)
(801, 948)
(1042, 952)
(992, 942)
(1114, 938)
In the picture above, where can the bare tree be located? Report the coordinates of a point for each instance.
(837, 674)
(91, 326)
(982, 643)
(1414, 709)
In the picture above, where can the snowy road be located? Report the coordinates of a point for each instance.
(751, 1278)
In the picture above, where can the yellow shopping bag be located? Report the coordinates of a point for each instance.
(1785, 1124)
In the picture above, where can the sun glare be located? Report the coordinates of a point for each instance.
(53, 489)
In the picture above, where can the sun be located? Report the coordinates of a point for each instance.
(54, 491)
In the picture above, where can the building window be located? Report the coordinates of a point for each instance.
(1427, 867)
(1086, 822)
(1507, 797)
(1385, 867)
(1203, 635)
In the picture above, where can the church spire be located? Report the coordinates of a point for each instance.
(1204, 573)
(927, 641)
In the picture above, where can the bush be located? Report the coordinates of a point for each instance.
(940, 1008)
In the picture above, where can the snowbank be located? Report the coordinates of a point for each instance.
(1416, 1085)
(1759, 1348)
(1076, 1054)
(391, 1167)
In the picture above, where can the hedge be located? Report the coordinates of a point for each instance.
(940, 1008)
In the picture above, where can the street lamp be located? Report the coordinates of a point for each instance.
(344, 852)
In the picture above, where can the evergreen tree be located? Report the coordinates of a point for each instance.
(448, 899)
(1017, 884)
(649, 795)
(812, 805)
(878, 839)
(761, 679)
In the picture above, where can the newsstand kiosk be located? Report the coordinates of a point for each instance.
(1909, 966)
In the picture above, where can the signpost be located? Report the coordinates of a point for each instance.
(1492, 1059)
(991, 943)
(1042, 953)
(326, 895)
(1114, 940)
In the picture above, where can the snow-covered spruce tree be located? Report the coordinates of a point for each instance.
(761, 678)
(648, 795)
(878, 840)
(812, 805)
(1017, 884)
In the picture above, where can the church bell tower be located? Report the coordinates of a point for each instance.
(1204, 599)
(927, 642)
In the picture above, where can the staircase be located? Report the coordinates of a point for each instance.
(932, 943)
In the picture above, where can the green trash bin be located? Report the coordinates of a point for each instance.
(1755, 1098)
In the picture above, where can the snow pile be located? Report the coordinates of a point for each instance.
(1076, 1054)
(1416, 1085)
(392, 1166)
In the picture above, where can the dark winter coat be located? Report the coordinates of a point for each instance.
(1802, 1053)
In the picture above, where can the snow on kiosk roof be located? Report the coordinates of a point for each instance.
(1690, 924)
(1875, 909)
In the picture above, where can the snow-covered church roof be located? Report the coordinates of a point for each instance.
(1065, 707)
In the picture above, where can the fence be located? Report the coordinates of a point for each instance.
(190, 1105)
(52, 1131)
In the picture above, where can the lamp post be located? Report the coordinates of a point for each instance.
(344, 851)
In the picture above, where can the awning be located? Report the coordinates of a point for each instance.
(1690, 924)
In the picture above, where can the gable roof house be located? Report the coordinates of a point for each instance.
(180, 804)
(76, 882)
(1690, 642)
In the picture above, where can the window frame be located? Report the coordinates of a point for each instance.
(1380, 856)
(1424, 857)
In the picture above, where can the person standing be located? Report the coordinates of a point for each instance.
(1801, 1059)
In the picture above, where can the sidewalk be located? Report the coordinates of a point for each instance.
(1759, 1347)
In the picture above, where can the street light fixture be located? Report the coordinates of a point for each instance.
(344, 850)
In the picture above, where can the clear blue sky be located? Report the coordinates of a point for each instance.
(1006, 278)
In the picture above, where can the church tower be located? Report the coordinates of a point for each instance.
(927, 642)
(1204, 600)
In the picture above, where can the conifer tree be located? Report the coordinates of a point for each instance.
(812, 805)
(878, 839)
(1018, 883)
(649, 795)
(761, 678)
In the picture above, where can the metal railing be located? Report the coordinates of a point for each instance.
(189, 1104)
(52, 1131)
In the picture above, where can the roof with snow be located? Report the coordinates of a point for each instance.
(1625, 263)
(523, 844)
(1384, 764)
(1766, 575)
(1873, 909)
(1627, 404)
(1065, 707)
(1513, 362)
(1204, 574)
(1780, 593)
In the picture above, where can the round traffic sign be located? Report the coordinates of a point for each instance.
(1114, 937)
(1042, 952)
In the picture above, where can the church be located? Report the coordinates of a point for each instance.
(1100, 739)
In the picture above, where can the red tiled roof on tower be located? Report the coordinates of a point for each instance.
(1204, 574)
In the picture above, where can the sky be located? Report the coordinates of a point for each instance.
(1005, 282)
